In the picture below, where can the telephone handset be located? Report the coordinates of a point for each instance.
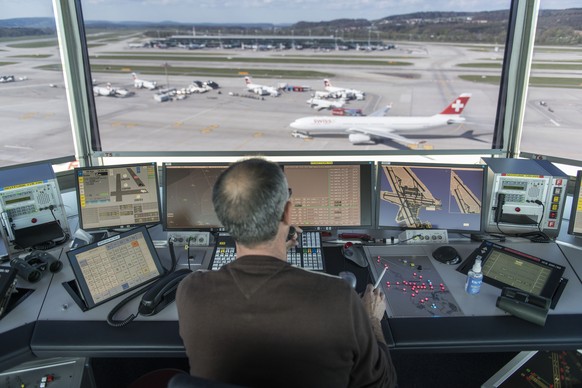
(161, 293)
(156, 297)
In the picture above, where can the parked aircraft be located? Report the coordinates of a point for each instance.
(6, 78)
(140, 83)
(198, 87)
(319, 104)
(103, 90)
(365, 130)
(346, 93)
(320, 94)
(110, 91)
(347, 112)
(261, 90)
(196, 46)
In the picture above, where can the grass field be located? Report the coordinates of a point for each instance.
(294, 60)
(552, 82)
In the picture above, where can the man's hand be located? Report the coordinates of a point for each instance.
(293, 236)
(374, 302)
(375, 305)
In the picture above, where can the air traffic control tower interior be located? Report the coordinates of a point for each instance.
(411, 152)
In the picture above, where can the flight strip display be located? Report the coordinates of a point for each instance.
(330, 195)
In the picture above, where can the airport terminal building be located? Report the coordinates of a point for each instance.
(270, 42)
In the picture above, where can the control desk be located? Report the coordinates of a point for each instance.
(48, 323)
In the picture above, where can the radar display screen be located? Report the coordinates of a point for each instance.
(187, 189)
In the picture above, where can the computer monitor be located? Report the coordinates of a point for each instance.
(187, 192)
(575, 224)
(118, 197)
(331, 195)
(430, 196)
(31, 208)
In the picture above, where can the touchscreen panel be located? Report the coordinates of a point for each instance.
(114, 266)
(504, 266)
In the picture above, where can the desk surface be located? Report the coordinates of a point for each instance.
(60, 328)
(484, 327)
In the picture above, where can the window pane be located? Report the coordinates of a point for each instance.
(33, 107)
(156, 81)
(554, 103)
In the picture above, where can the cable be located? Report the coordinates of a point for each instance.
(110, 317)
(188, 257)
(410, 238)
(172, 255)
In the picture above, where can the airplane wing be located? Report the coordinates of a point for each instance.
(381, 112)
(384, 133)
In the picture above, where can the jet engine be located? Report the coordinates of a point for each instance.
(300, 135)
(360, 138)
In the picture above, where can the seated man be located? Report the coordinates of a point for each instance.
(259, 321)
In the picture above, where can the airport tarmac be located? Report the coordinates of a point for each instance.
(36, 122)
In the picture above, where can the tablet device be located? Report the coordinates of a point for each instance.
(506, 267)
(115, 266)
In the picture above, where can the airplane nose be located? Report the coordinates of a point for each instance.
(294, 124)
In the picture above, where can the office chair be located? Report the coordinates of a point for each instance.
(158, 378)
(184, 380)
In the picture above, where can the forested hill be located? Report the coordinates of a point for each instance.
(556, 27)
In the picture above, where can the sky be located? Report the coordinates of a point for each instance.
(253, 11)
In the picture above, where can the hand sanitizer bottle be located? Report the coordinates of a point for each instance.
(474, 278)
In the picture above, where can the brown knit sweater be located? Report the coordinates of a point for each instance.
(261, 322)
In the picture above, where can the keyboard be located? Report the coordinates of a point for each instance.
(308, 254)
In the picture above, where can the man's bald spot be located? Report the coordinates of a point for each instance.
(238, 184)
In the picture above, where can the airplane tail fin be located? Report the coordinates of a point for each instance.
(382, 111)
(326, 83)
(133, 75)
(247, 80)
(456, 107)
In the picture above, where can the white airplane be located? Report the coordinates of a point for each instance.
(373, 128)
(320, 94)
(198, 87)
(343, 92)
(103, 90)
(120, 92)
(319, 104)
(140, 83)
(261, 90)
(110, 91)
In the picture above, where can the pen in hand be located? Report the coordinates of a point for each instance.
(380, 277)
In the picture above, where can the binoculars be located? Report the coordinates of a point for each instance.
(31, 266)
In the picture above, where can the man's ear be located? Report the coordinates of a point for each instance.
(287, 213)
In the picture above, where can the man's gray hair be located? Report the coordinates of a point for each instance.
(249, 199)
